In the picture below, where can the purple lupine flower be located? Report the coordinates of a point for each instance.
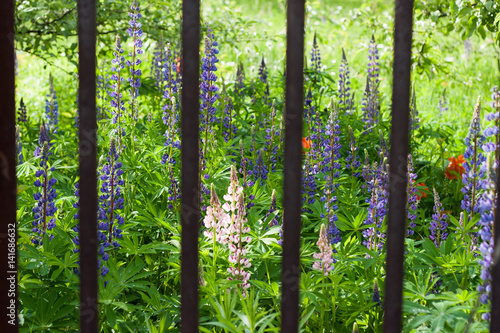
(438, 225)
(229, 129)
(352, 159)
(22, 113)
(383, 151)
(366, 173)
(240, 78)
(414, 121)
(377, 209)
(263, 71)
(134, 31)
(111, 199)
(346, 100)
(443, 103)
(158, 63)
(493, 130)
(170, 88)
(315, 56)
(19, 147)
(103, 94)
(411, 194)
(270, 147)
(43, 137)
(473, 174)
(272, 209)
(325, 255)
(376, 293)
(259, 170)
(209, 90)
(171, 133)
(371, 98)
(331, 206)
(117, 104)
(487, 203)
(45, 208)
(52, 107)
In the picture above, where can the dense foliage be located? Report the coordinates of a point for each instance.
(451, 170)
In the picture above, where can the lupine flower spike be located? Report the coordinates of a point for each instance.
(438, 225)
(355, 328)
(209, 90)
(116, 95)
(376, 293)
(134, 80)
(45, 208)
(412, 199)
(473, 160)
(315, 56)
(346, 101)
(22, 113)
(19, 147)
(325, 255)
(111, 200)
(487, 202)
(52, 107)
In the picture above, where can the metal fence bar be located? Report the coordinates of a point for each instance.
(294, 105)
(8, 224)
(495, 270)
(88, 166)
(190, 191)
(398, 160)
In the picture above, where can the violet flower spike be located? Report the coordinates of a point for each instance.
(438, 226)
(134, 31)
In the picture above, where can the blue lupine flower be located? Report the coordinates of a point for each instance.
(116, 96)
(331, 207)
(376, 293)
(411, 193)
(209, 90)
(135, 32)
(22, 113)
(352, 159)
(52, 107)
(346, 100)
(438, 225)
(158, 63)
(103, 95)
(371, 98)
(263, 71)
(486, 248)
(111, 200)
(377, 209)
(240, 77)
(315, 56)
(229, 129)
(259, 170)
(45, 208)
(473, 174)
(443, 103)
(272, 133)
(19, 147)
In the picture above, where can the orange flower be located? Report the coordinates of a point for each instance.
(455, 168)
(421, 187)
(306, 144)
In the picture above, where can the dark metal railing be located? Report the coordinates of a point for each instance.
(190, 214)
(8, 188)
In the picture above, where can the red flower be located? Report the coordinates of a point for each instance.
(306, 144)
(455, 168)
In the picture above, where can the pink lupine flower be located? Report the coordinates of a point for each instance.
(217, 220)
(325, 254)
(237, 250)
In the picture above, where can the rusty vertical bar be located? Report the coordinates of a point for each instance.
(190, 214)
(88, 165)
(495, 269)
(8, 224)
(398, 160)
(294, 105)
